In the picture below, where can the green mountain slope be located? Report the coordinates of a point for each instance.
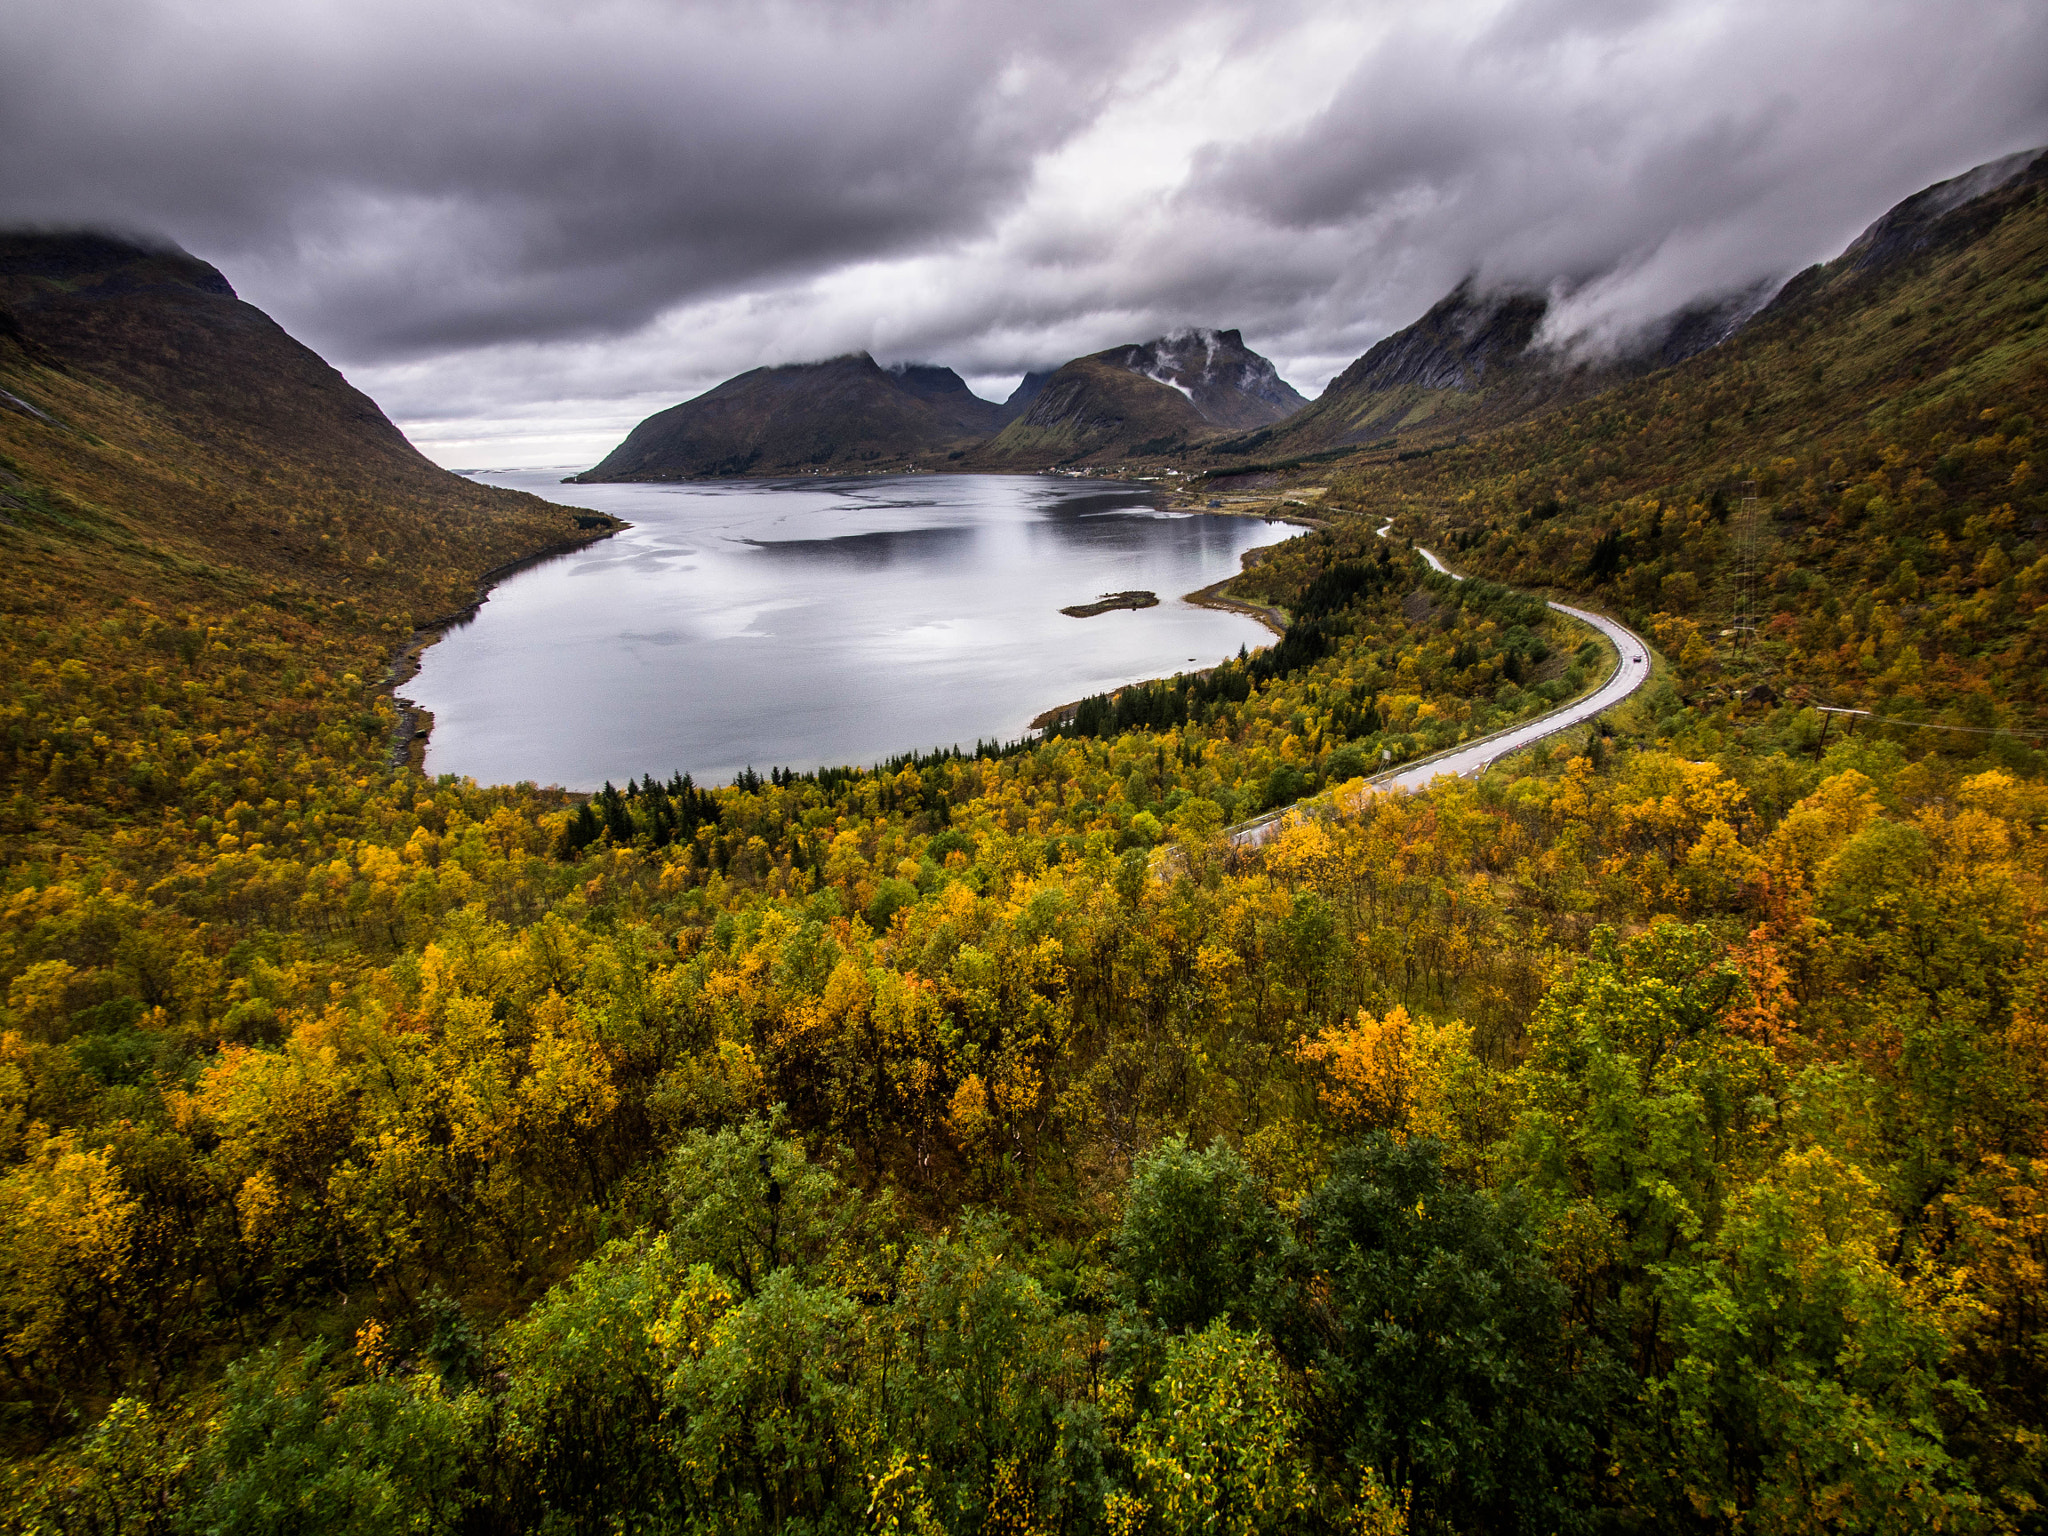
(151, 418)
(847, 413)
(1882, 412)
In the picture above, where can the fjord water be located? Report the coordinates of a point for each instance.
(817, 622)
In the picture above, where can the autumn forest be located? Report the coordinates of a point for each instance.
(1650, 1134)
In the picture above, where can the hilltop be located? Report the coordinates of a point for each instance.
(847, 413)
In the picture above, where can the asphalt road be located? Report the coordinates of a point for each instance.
(1473, 757)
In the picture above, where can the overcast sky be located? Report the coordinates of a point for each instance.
(524, 224)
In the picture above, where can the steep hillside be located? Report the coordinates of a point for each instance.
(1145, 399)
(1479, 359)
(150, 418)
(1884, 414)
(847, 413)
(1476, 360)
(1027, 390)
(214, 547)
(948, 395)
(1092, 409)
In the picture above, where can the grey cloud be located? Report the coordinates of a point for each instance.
(408, 180)
(530, 211)
(1645, 151)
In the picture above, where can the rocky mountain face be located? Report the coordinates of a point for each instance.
(1228, 384)
(1942, 217)
(1930, 217)
(1463, 337)
(847, 413)
(1028, 389)
(1144, 399)
(1479, 359)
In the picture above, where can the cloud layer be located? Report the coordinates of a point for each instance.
(523, 225)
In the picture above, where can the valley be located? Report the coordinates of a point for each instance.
(1647, 1132)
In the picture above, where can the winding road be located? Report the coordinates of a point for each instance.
(1474, 756)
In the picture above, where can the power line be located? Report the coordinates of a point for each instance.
(1925, 725)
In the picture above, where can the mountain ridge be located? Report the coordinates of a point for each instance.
(851, 414)
(846, 413)
(185, 425)
(1479, 359)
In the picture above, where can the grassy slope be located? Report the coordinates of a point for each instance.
(215, 534)
(1092, 411)
(192, 433)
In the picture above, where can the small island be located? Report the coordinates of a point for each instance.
(1110, 601)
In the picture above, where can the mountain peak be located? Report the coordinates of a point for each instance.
(1227, 383)
(1144, 399)
(930, 381)
(103, 262)
(843, 413)
(1911, 225)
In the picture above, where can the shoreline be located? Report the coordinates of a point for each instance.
(1211, 597)
(1176, 498)
(407, 748)
(410, 736)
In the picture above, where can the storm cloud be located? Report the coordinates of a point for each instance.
(522, 225)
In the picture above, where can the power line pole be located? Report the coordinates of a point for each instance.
(1744, 619)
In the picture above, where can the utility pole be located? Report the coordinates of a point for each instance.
(1744, 619)
(1827, 713)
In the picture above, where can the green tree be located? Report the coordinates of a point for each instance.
(1809, 1389)
(1200, 1240)
(295, 1452)
(1218, 1449)
(1438, 1348)
(766, 1400)
(584, 1431)
(748, 1201)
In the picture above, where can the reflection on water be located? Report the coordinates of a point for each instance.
(871, 551)
(801, 623)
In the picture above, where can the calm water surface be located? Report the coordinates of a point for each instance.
(818, 622)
